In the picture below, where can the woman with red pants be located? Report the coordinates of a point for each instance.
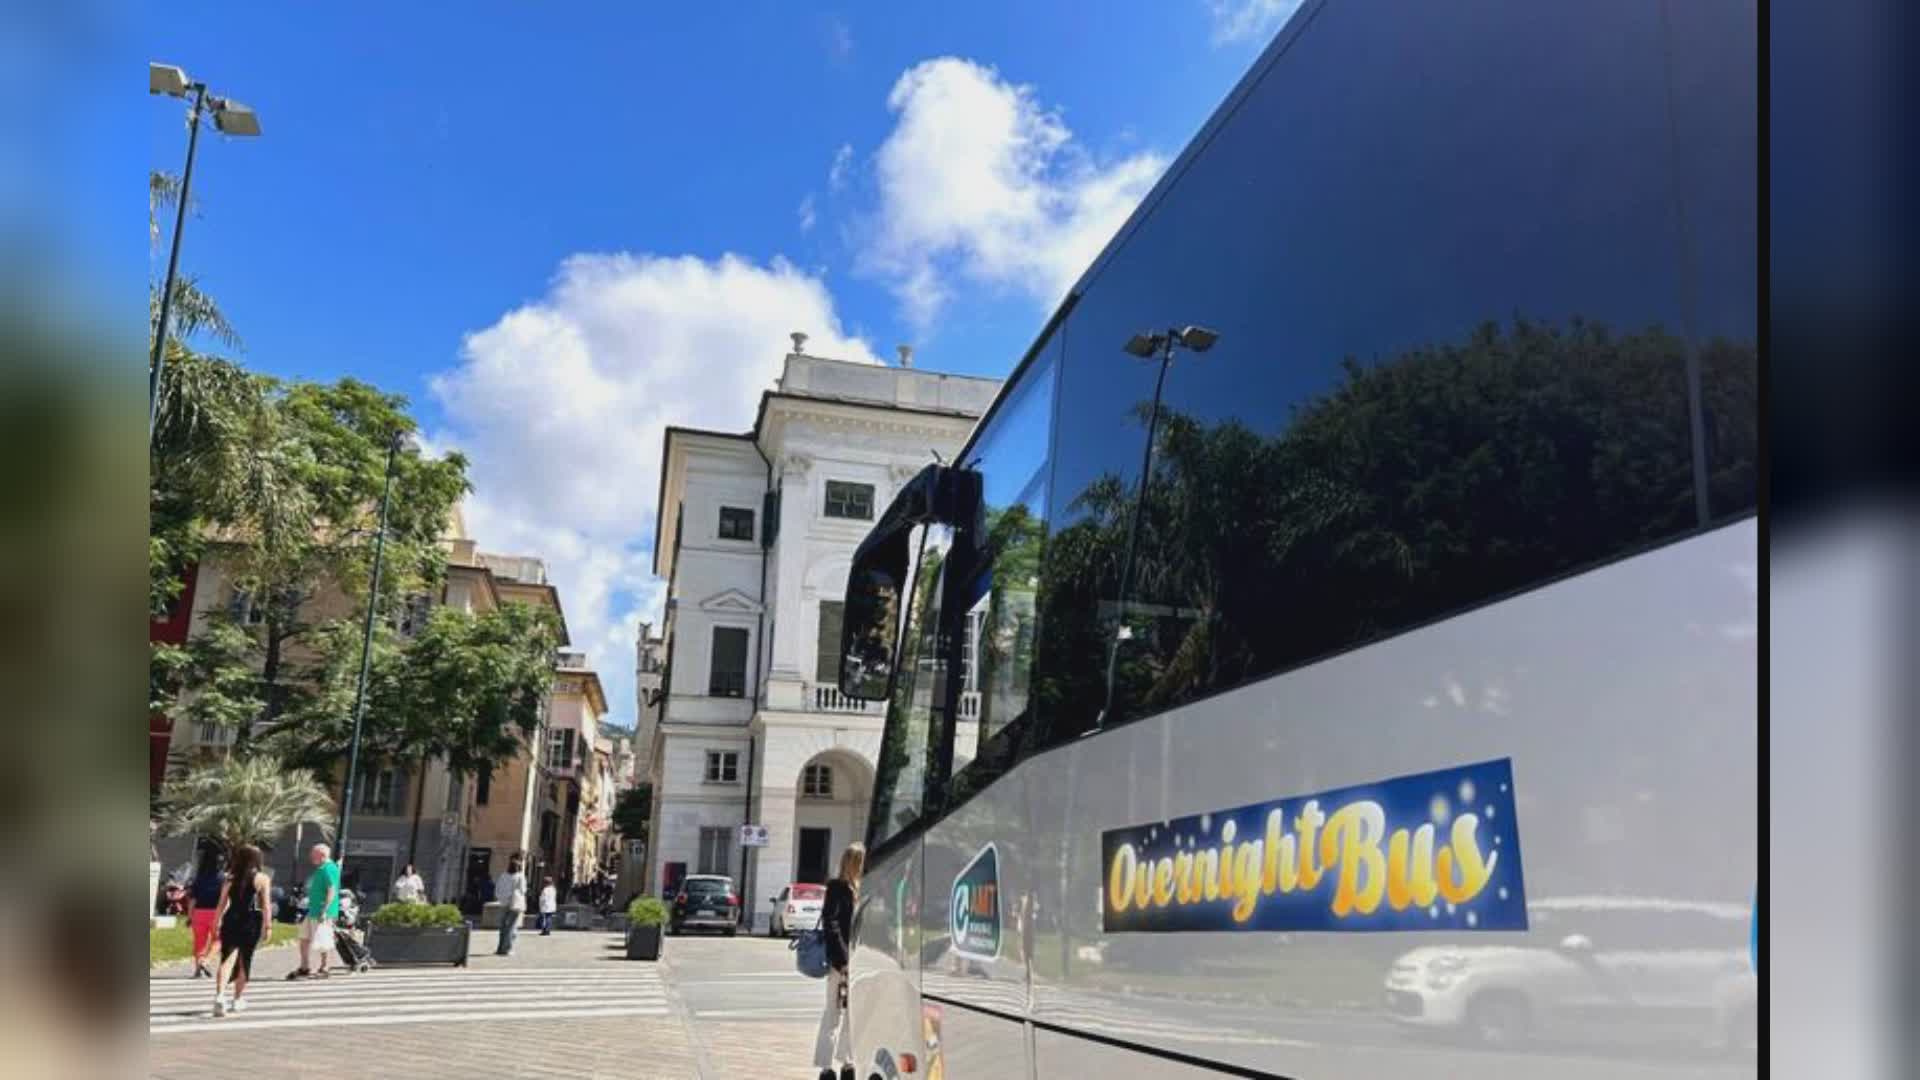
(203, 900)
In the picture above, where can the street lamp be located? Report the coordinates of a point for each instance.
(397, 443)
(232, 118)
(1146, 346)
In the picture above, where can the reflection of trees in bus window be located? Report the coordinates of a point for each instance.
(1439, 479)
(906, 749)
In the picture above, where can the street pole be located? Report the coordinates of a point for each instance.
(157, 361)
(1133, 531)
(366, 654)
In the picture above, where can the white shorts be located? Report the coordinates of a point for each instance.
(318, 934)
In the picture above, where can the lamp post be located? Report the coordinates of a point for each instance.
(232, 118)
(366, 649)
(1195, 339)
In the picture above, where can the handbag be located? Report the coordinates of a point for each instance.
(810, 953)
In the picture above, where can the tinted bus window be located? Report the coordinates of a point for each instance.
(917, 710)
(1452, 362)
(1716, 147)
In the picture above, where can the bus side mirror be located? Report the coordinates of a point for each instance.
(870, 619)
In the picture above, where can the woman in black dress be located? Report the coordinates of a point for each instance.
(245, 911)
(835, 1039)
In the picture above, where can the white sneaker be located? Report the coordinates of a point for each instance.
(220, 1005)
(239, 1005)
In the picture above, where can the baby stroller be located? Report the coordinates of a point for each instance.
(354, 955)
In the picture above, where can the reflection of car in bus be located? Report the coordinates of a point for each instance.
(1611, 968)
(1408, 588)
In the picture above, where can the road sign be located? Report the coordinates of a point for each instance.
(753, 836)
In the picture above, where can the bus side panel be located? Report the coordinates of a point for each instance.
(980, 858)
(884, 991)
(1624, 700)
(1056, 1054)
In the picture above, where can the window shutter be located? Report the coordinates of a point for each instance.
(827, 668)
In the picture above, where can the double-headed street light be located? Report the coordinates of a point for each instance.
(1147, 346)
(232, 118)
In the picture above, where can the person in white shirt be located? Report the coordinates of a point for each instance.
(409, 889)
(510, 889)
(549, 903)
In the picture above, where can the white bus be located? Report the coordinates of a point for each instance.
(1334, 653)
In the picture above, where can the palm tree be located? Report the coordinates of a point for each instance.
(244, 801)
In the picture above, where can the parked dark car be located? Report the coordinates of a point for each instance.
(706, 902)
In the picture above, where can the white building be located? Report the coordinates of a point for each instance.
(756, 534)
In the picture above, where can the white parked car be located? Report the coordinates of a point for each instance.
(1618, 969)
(797, 909)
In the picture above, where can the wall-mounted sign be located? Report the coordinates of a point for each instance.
(753, 836)
(974, 919)
(1432, 851)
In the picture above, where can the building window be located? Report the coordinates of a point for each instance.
(560, 749)
(736, 523)
(380, 791)
(729, 675)
(483, 787)
(716, 850)
(723, 766)
(411, 618)
(827, 668)
(849, 500)
(816, 782)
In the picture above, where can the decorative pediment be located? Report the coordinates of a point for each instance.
(731, 600)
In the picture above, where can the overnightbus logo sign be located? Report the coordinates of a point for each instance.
(975, 916)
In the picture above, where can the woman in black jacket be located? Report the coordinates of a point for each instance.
(835, 1040)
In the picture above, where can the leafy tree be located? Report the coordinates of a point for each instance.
(244, 801)
(466, 690)
(633, 810)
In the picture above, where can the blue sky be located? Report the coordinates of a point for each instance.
(558, 228)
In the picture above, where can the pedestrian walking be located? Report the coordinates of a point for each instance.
(834, 1042)
(549, 903)
(323, 906)
(203, 909)
(408, 888)
(510, 891)
(245, 915)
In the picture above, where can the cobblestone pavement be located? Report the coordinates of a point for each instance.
(569, 1006)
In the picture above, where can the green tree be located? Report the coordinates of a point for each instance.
(466, 690)
(633, 810)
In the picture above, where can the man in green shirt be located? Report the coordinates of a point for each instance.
(323, 905)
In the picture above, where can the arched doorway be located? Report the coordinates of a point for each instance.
(829, 811)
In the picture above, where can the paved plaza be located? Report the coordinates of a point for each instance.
(569, 1006)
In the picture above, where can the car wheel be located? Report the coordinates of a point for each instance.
(1498, 1018)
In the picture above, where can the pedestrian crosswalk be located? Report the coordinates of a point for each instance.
(412, 996)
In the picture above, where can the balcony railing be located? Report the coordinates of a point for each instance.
(829, 699)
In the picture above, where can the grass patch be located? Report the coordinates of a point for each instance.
(176, 943)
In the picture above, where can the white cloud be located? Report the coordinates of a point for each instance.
(842, 165)
(1249, 20)
(561, 405)
(979, 181)
(807, 215)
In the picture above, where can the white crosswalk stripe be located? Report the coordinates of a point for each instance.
(411, 996)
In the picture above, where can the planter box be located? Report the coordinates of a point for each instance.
(402, 946)
(643, 942)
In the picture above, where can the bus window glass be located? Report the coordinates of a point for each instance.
(1424, 395)
(997, 623)
(919, 697)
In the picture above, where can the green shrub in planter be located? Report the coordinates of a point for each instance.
(647, 911)
(646, 917)
(404, 934)
(402, 916)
